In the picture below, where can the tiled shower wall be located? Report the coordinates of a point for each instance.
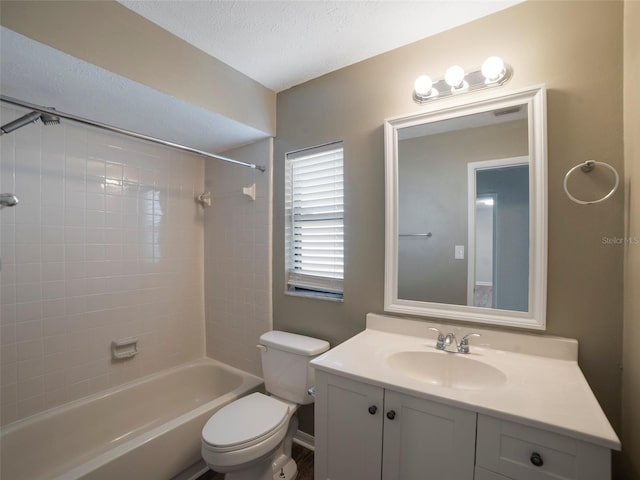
(238, 257)
(106, 243)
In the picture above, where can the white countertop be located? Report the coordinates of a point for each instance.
(544, 386)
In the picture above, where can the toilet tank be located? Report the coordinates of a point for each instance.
(285, 364)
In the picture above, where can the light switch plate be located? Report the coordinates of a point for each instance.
(459, 253)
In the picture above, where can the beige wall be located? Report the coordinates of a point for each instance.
(237, 243)
(573, 47)
(631, 355)
(102, 33)
(434, 198)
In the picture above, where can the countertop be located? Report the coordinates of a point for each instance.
(544, 386)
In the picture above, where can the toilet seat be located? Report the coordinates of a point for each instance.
(245, 422)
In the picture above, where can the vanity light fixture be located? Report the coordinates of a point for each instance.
(423, 87)
(454, 77)
(494, 72)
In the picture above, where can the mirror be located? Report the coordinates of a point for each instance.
(466, 210)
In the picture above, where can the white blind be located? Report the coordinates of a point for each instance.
(315, 210)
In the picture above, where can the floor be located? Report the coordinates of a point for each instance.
(302, 456)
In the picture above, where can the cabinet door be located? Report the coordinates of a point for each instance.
(348, 429)
(426, 440)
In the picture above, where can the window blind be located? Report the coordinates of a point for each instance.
(315, 212)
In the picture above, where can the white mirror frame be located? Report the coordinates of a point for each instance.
(535, 317)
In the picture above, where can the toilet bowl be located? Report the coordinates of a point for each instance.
(251, 438)
(246, 436)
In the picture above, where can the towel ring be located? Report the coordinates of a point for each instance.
(587, 167)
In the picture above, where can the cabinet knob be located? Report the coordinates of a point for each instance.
(536, 459)
(391, 414)
(373, 409)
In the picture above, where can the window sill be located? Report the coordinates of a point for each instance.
(331, 297)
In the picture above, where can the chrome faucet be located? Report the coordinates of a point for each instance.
(440, 342)
(464, 343)
(444, 341)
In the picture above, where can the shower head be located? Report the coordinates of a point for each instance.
(31, 117)
(49, 118)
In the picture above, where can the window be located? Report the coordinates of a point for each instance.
(314, 227)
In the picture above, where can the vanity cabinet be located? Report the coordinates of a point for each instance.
(366, 432)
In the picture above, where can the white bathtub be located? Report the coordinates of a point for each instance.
(148, 429)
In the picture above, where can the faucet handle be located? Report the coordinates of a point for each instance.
(440, 344)
(464, 343)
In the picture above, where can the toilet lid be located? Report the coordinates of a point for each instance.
(244, 420)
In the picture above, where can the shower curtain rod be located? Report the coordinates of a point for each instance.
(122, 131)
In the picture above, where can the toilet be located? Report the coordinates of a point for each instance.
(251, 438)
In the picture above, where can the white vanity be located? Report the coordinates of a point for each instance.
(391, 406)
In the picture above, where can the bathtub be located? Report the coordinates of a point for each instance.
(146, 429)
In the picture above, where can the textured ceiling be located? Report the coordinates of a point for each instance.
(284, 43)
(277, 43)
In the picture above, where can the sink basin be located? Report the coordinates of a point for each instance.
(447, 370)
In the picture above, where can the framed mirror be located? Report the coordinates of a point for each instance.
(466, 210)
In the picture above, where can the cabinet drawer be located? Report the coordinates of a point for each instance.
(482, 474)
(527, 453)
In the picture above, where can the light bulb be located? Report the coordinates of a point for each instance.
(454, 76)
(423, 85)
(493, 69)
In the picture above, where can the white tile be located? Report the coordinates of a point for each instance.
(26, 331)
(52, 234)
(30, 349)
(95, 201)
(9, 394)
(93, 206)
(31, 368)
(95, 252)
(53, 290)
(56, 325)
(27, 273)
(114, 203)
(74, 217)
(28, 233)
(75, 253)
(28, 292)
(55, 344)
(29, 211)
(75, 167)
(29, 406)
(56, 397)
(94, 219)
(27, 253)
(53, 308)
(96, 168)
(30, 388)
(75, 287)
(7, 334)
(8, 353)
(76, 199)
(28, 312)
(53, 253)
(52, 216)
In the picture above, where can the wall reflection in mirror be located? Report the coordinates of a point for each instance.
(462, 213)
(466, 181)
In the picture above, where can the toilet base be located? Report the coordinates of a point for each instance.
(284, 468)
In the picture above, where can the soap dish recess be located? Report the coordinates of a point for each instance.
(124, 348)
